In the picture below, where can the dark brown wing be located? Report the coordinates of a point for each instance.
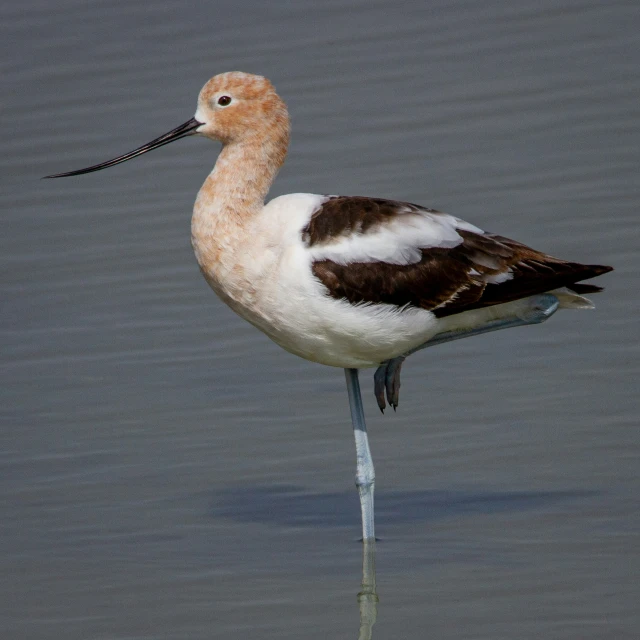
(483, 270)
(344, 215)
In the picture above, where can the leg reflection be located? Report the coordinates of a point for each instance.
(368, 598)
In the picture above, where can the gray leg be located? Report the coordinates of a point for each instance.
(365, 474)
(387, 376)
(368, 598)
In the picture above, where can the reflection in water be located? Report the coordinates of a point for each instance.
(368, 598)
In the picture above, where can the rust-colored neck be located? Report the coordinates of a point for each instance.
(234, 193)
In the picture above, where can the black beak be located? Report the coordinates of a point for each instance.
(184, 130)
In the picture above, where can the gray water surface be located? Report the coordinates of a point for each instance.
(168, 472)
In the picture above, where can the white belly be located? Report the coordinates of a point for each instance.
(281, 297)
(339, 334)
(263, 271)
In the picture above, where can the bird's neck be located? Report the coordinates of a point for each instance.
(233, 194)
(241, 177)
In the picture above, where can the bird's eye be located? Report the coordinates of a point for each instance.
(223, 101)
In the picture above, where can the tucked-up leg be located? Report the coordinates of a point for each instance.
(540, 308)
(365, 474)
(379, 384)
(387, 375)
(387, 379)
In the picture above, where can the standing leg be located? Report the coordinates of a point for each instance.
(368, 598)
(365, 474)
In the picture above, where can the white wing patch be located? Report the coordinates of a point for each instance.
(499, 278)
(397, 241)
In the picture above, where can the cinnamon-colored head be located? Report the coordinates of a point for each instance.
(236, 106)
(233, 107)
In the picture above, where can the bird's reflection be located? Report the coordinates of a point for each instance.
(368, 598)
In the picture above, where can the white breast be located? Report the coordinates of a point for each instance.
(292, 307)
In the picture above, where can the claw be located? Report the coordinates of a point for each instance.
(393, 381)
(379, 384)
(387, 380)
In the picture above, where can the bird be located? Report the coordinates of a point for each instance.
(352, 282)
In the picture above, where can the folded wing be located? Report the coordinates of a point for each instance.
(368, 250)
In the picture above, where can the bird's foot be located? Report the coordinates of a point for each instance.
(387, 380)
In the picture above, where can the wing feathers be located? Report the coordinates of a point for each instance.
(480, 270)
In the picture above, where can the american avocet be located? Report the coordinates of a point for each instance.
(350, 282)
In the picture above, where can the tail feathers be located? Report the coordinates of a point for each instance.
(585, 288)
(570, 297)
(562, 279)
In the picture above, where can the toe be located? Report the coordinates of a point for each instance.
(379, 378)
(392, 381)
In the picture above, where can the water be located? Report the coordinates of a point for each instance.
(170, 473)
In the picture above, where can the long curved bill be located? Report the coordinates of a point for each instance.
(184, 130)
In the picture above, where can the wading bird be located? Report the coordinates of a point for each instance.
(350, 282)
